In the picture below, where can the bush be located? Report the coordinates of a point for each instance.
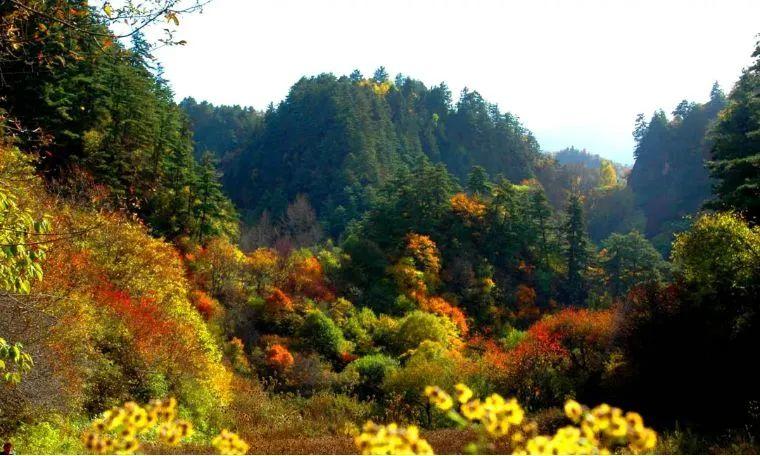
(322, 335)
(371, 371)
(431, 362)
(60, 435)
(417, 327)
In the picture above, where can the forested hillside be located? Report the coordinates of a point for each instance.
(196, 278)
(670, 177)
(368, 130)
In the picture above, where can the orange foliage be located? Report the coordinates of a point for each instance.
(205, 304)
(525, 267)
(493, 353)
(440, 306)
(308, 279)
(424, 251)
(278, 302)
(469, 208)
(552, 339)
(347, 357)
(576, 326)
(279, 357)
(525, 298)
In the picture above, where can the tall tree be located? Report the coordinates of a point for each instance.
(629, 259)
(477, 181)
(735, 161)
(576, 251)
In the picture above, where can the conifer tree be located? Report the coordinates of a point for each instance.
(576, 251)
(735, 161)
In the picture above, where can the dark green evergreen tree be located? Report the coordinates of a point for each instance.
(735, 164)
(576, 252)
(477, 181)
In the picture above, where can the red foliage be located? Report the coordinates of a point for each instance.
(279, 357)
(347, 357)
(552, 339)
(152, 332)
(493, 353)
(205, 304)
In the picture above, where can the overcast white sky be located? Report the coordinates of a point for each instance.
(575, 72)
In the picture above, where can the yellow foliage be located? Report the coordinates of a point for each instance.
(378, 88)
(607, 174)
(469, 208)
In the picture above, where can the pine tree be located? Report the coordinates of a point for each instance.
(477, 181)
(576, 251)
(735, 161)
(212, 211)
(540, 213)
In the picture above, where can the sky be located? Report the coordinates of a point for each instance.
(575, 72)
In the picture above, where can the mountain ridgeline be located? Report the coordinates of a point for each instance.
(337, 139)
(334, 141)
(670, 177)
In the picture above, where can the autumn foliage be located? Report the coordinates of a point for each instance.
(440, 306)
(204, 304)
(279, 357)
(470, 208)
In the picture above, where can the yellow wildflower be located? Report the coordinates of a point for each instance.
(464, 393)
(573, 410)
(439, 398)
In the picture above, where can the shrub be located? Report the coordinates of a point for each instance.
(371, 371)
(322, 335)
(431, 362)
(562, 354)
(417, 327)
(204, 304)
(279, 357)
(60, 435)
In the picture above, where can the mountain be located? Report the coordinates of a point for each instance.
(337, 139)
(670, 178)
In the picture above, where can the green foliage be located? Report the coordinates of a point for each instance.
(629, 259)
(59, 435)
(109, 128)
(735, 161)
(670, 179)
(710, 312)
(22, 247)
(576, 247)
(322, 335)
(430, 362)
(613, 210)
(13, 361)
(371, 370)
(371, 130)
(417, 327)
(718, 253)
